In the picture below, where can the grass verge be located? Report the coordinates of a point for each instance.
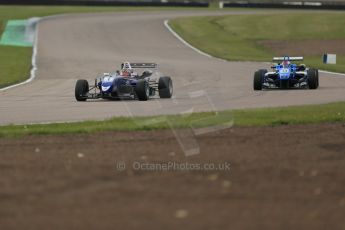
(334, 112)
(237, 37)
(15, 64)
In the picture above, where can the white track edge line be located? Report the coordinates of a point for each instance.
(166, 24)
(33, 63)
(34, 54)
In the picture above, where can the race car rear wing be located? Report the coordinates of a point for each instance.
(289, 58)
(143, 65)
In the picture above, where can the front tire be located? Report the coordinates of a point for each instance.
(284, 84)
(142, 90)
(313, 78)
(259, 79)
(317, 77)
(81, 90)
(165, 87)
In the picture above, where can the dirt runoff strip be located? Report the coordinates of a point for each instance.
(287, 177)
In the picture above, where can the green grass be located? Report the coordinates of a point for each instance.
(236, 37)
(15, 64)
(334, 112)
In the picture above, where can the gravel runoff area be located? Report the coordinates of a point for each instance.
(286, 177)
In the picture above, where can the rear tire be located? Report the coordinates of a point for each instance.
(313, 78)
(165, 87)
(259, 79)
(81, 89)
(142, 90)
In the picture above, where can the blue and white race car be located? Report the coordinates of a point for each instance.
(126, 84)
(286, 75)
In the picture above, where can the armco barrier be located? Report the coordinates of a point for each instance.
(108, 2)
(340, 5)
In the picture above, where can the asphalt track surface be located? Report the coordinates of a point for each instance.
(83, 46)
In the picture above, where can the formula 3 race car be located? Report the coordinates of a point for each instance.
(126, 84)
(286, 75)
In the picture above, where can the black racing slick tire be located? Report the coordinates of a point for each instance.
(165, 87)
(313, 78)
(284, 84)
(317, 77)
(142, 90)
(259, 79)
(81, 90)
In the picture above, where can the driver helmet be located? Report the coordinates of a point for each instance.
(286, 62)
(126, 69)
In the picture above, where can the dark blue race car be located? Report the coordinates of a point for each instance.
(286, 75)
(127, 84)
